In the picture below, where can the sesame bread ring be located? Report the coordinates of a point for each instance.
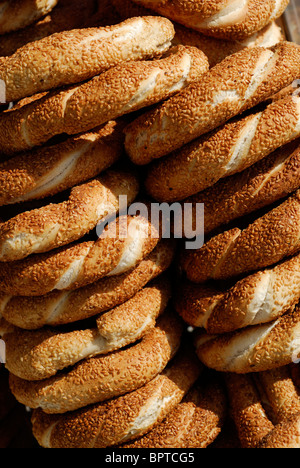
(95, 379)
(234, 20)
(253, 349)
(228, 150)
(243, 80)
(194, 423)
(77, 55)
(256, 299)
(52, 169)
(215, 49)
(268, 240)
(259, 186)
(124, 418)
(39, 354)
(58, 224)
(17, 14)
(78, 109)
(63, 307)
(63, 17)
(121, 246)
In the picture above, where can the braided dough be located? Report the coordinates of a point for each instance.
(121, 246)
(63, 17)
(94, 379)
(55, 225)
(78, 109)
(284, 435)
(259, 298)
(52, 169)
(39, 354)
(259, 186)
(244, 80)
(228, 150)
(226, 20)
(74, 56)
(17, 14)
(253, 349)
(268, 240)
(194, 423)
(62, 307)
(123, 418)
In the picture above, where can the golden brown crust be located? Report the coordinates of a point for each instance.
(62, 307)
(215, 18)
(284, 435)
(93, 380)
(52, 169)
(265, 242)
(52, 63)
(194, 423)
(18, 14)
(120, 247)
(259, 298)
(203, 107)
(55, 225)
(247, 411)
(77, 109)
(123, 418)
(253, 349)
(228, 150)
(283, 396)
(263, 184)
(39, 354)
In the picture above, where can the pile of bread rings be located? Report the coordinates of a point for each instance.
(117, 336)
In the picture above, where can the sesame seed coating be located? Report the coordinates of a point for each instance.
(228, 150)
(220, 18)
(39, 354)
(265, 242)
(46, 171)
(126, 417)
(259, 298)
(266, 182)
(255, 348)
(122, 245)
(73, 56)
(58, 224)
(101, 378)
(239, 82)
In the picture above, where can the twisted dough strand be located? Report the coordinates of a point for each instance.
(259, 186)
(74, 56)
(78, 108)
(122, 245)
(259, 298)
(124, 418)
(244, 80)
(52, 169)
(267, 241)
(228, 150)
(253, 349)
(93, 380)
(63, 307)
(55, 225)
(226, 20)
(39, 354)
